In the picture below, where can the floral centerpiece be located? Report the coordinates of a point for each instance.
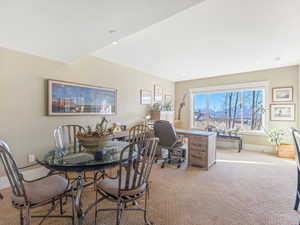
(93, 139)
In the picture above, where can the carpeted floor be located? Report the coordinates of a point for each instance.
(246, 188)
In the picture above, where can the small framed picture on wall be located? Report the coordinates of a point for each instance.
(282, 112)
(145, 97)
(282, 94)
(168, 98)
(158, 94)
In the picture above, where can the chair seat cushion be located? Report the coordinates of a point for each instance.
(42, 190)
(111, 187)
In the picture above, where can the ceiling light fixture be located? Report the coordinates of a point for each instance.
(115, 42)
(112, 31)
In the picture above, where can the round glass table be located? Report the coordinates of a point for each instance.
(79, 159)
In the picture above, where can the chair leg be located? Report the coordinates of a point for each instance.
(163, 164)
(118, 221)
(169, 156)
(21, 217)
(85, 177)
(96, 208)
(66, 198)
(27, 218)
(297, 192)
(297, 202)
(147, 222)
(61, 209)
(73, 209)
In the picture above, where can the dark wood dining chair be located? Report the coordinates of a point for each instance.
(296, 136)
(132, 181)
(27, 195)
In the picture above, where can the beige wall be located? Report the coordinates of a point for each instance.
(23, 97)
(287, 76)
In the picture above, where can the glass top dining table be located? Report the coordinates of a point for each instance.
(79, 159)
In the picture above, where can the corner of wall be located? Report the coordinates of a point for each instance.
(298, 107)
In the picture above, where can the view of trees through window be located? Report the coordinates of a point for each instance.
(241, 110)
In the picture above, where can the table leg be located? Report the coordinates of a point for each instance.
(240, 145)
(78, 203)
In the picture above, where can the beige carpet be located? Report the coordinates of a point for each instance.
(241, 189)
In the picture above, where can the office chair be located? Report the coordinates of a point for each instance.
(168, 139)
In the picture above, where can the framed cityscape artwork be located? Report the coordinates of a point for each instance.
(145, 97)
(282, 112)
(67, 98)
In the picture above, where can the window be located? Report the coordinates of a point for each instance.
(239, 109)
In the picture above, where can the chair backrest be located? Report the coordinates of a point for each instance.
(296, 136)
(65, 136)
(14, 177)
(134, 172)
(165, 131)
(138, 133)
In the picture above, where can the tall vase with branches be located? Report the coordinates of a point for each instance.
(178, 123)
(181, 105)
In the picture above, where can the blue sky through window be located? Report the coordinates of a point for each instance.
(229, 110)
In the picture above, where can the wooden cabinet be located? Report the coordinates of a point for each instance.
(201, 147)
(163, 115)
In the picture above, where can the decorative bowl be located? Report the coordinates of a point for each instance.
(93, 142)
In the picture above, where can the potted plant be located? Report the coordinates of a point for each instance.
(275, 137)
(167, 106)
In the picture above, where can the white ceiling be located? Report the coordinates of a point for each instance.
(65, 30)
(215, 37)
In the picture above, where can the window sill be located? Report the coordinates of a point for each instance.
(250, 133)
(253, 133)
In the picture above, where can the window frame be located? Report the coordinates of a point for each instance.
(262, 85)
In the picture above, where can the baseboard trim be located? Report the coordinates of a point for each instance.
(259, 148)
(28, 175)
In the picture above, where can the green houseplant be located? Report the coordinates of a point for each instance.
(276, 137)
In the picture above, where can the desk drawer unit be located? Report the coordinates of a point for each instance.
(202, 150)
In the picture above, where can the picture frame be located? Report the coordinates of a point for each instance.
(145, 97)
(168, 98)
(158, 94)
(282, 112)
(282, 94)
(73, 99)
